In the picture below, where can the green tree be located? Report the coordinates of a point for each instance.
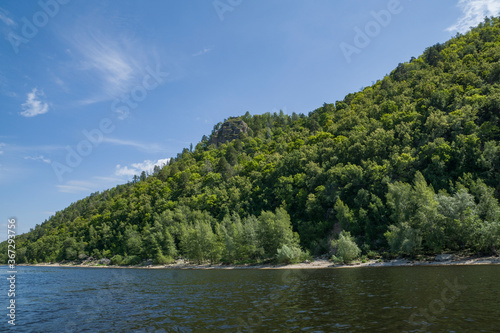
(346, 250)
(404, 239)
(275, 230)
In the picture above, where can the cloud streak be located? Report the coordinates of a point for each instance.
(4, 87)
(202, 52)
(38, 158)
(34, 106)
(76, 186)
(474, 12)
(4, 17)
(88, 186)
(148, 147)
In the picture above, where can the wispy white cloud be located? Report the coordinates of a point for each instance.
(92, 100)
(474, 12)
(125, 171)
(1, 147)
(114, 61)
(34, 105)
(76, 186)
(38, 158)
(137, 168)
(116, 67)
(4, 17)
(89, 186)
(108, 179)
(148, 147)
(4, 87)
(7, 30)
(106, 56)
(61, 83)
(202, 52)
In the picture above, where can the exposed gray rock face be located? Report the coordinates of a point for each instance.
(443, 257)
(104, 261)
(229, 131)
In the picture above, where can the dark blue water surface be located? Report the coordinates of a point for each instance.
(384, 299)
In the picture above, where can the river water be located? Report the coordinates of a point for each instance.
(383, 299)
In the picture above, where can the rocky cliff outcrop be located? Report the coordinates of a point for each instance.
(229, 131)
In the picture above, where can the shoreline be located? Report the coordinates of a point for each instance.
(317, 264)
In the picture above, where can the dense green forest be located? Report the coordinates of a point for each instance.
(407, 166)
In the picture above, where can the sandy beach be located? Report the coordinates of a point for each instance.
(316, 264)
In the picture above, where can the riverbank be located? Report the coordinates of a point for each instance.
(316, 264)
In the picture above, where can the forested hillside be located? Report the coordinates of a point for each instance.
(409, 165)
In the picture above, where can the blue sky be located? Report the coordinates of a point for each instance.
(93, 92)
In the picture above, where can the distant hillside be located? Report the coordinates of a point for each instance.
(409, 165)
